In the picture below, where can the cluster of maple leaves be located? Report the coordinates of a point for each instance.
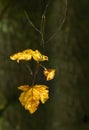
(32, 95)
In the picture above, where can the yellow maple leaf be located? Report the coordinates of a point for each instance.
(24, 55)
(49, 73)
(32, 95)
(37, 56)
(28, 55)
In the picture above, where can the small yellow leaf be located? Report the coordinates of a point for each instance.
(37, 56)
(32, 95)
(49, 73)
(24, 55)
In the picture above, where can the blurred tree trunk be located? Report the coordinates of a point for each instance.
(68, 51)
(69, 108)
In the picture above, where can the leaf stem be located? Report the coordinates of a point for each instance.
(35, 73)
(43, 66)
(28, 67)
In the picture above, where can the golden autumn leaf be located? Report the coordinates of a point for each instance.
(49, 73)
(32, 95)
(37, 56)
(28, 55)
(24, 55)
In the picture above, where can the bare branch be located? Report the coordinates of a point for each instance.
(43, 24)
(59, 28)
(31, 23)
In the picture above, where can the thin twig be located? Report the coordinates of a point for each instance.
(59, 28)
(42, 29)
(43, 24)
(28, 18)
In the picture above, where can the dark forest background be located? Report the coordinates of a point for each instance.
(68, 52)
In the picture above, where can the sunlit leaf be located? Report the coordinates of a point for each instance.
(24, 55)
(49, 73)
(24, 87)
(32, 95)
(37, 56)
(28, 55)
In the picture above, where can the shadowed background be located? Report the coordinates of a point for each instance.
(68, 52)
